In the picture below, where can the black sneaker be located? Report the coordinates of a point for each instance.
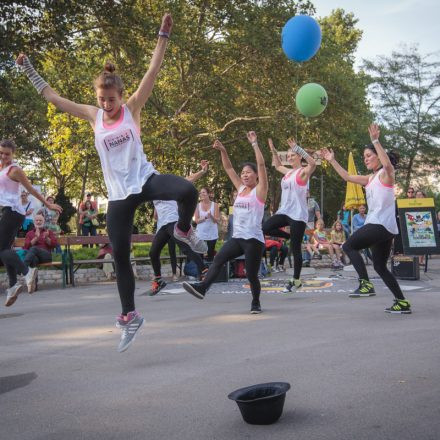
(255, 308)
(293, 283)
(400, 306)
(365, 289)
(157, 285)
(195, 289)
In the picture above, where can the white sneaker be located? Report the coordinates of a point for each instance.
(30, 278)
(195, 243)
(12, 294)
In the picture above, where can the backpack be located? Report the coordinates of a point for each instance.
(239, 269)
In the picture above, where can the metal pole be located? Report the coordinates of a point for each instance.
(322, 194)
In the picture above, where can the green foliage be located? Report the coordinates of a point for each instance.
(224, 74)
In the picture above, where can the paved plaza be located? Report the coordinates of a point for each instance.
(356, 373)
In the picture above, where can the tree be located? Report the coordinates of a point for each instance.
(406, 92)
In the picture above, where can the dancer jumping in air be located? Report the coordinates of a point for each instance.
(11, 219)
(130, 178)
(247, 237)
(293, 211)
(380, 225)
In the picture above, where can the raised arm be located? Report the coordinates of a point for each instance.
(86, 112)
(141, 95)
(18, 175)
(276, 159)
(203, 170)
(329, 156)
(388, 177)
(227, 164)
(261, 166)
(308, 170)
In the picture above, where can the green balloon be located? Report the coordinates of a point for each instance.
(311, 99)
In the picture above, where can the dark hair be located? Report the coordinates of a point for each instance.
(250, 165)
(206, 189)
(8, 143)
(392, 155)
(109, 80)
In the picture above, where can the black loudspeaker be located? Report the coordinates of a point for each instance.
(223, 276)
(405, 267)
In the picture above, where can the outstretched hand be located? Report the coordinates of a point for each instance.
(219, 146)
(327, 154)
(167, 23)
(55, 207)
(374, 132)
(20, 59)
(252, 137)
(291, 142)
(271, 145)
(204, 165)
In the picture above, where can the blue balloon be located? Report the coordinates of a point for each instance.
(301, 38)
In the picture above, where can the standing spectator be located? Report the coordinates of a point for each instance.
(88, 199)
(410, 193)
(207, 216)
(50, 215)
(314, 212)
(28, 207)
(39, 244)
(359, 218)
(420, 194)
(88, 220)
(344, 217)
(230, 228)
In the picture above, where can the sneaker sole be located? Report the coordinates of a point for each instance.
(201, 249)
(155, 292)
(126, 347)
(11, 300)
(402, 312)
(256, 312)
(190, 289)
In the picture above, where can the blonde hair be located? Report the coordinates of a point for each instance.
(109, 80)
(334, 226)
(320, 220)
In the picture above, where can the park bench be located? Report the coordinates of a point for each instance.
(62, 265)
(75, 264)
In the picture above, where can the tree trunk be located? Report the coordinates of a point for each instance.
(83, 190)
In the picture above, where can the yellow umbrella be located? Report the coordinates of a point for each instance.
(354, 195)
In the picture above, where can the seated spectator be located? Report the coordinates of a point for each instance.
(28, 206)
(39, 244)
(337, 239)
(420, 194)
(306, 255)
(320, 241)
(277, 253)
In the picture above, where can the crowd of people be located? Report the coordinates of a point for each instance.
(131, 180)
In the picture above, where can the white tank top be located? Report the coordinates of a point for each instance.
(207, 230)
(166, 212)
(294, 197)
(124, 164)
(248, 216)
(10, 190)
(381, 204)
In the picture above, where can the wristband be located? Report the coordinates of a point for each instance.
(39, 83)
(254, 144)
(163, 34)
(298, 150)
(376, 141)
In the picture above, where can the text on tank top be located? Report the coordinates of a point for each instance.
(124, 163)
(207, 230)
(381, 204)
(10, 190)
(167, 212)
(248, 216)
(294, 197)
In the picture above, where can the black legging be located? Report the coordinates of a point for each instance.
(171, 252)
(10, 223)
(233, 248)
(120, 215)
(273, 252)
(379, 240)
(297, 228)
(165, 235)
